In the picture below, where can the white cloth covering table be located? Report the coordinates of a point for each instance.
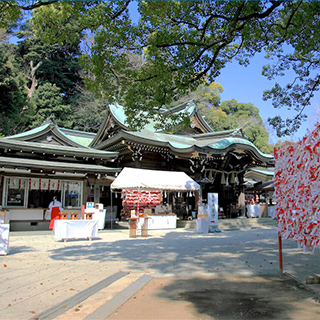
(202, 225)
(253, 210)
(159, 222)
(75, 229)
(100, 216)
(271, 211)
(4, 238)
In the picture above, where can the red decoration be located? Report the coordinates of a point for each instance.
(140, 200)
(297, 173)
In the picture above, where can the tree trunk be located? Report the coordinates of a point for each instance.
(32, 78)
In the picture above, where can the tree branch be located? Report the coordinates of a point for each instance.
(38, 4)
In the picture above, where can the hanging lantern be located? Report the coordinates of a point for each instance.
(223, 179)
(232, 180)
(210, 175)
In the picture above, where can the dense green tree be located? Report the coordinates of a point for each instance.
(231, 114)
(12, 94)
(184, 42)
(57, 64)
(246, 116)
(9, 12)
(88, 111)
(48, 101)
(49, 67)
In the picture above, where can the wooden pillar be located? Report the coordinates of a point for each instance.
(241, 197)
(96, 195)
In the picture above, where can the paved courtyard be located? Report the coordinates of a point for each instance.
(79, 276)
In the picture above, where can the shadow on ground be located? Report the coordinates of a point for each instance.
(173, 252)
(259, 297)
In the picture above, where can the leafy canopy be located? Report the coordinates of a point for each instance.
(184, 42)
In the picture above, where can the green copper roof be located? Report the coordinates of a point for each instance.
(81, 137)
(262, 171)
(55, 165)
(185, 142)
(119, 114)
(226, 142)
(53, 148)
(30, 132)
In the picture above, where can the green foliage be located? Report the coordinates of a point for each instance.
(231, 114)
(58, 64)
(184, 42)
(299, 29)
(88, 112)
(181, 44)
(12, 94)
(9, 12)
(47, 101)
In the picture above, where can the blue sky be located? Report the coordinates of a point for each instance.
(246, 84)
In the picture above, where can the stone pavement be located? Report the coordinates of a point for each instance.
(46, 279)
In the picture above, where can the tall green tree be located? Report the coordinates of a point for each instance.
(50, 67)
(12, 94)
(184, 42)
(231, 114)
(88, 111)
(246, 116)
(57, 64)
(48, 101)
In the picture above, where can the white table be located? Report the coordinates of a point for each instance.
(202, 225)
(100, 216)
(253, 210)
(159, 222)
(75, 229)
(271, 211)
(4, 238)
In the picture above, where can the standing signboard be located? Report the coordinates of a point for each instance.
(213, 212)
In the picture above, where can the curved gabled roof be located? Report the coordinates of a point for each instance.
(117, 114)
(81, 137)
(66, 137)
(32, 132)
(186, 144)
(30, 146)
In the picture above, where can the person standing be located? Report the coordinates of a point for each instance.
(54, 209)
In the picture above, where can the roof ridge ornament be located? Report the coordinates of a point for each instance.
(49, 120)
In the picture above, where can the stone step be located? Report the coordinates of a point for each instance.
(100, 300)
(234, 224)
(223, 224)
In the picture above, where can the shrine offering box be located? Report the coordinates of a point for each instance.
(89, 215)
(99, 206)
(63, 215)
(74, 215)
(90, 205)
